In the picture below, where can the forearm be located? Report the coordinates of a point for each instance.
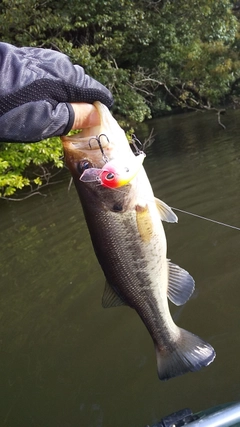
(35, 121)
(42, 94)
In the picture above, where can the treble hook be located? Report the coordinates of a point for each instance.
(134, 142)
(98, 139)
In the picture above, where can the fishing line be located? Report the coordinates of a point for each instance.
(175, 209)
(70, 183)
(197, 216)
(207, 219)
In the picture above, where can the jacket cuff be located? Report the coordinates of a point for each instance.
(71, 118)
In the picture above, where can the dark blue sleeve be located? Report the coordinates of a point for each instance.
(37, 87)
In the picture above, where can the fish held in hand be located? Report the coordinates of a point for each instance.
(125, 225)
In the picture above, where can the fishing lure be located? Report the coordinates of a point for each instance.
(115, 173)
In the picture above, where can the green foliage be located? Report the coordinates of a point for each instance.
(173, 43)
(21, 165)
(154, 56)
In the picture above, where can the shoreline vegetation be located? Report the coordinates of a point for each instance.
(157, 57)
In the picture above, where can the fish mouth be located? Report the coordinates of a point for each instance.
(77, 147)
(88, 138)
(100, 143)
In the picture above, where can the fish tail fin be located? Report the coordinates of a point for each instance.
(190, 353)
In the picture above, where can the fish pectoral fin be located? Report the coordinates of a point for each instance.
(180, 284)
(111, 298)
(165, 212)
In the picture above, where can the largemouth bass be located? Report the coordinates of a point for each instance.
(125, 225)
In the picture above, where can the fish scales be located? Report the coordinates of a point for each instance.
(125, 226)
(117, 251)
(112, 236)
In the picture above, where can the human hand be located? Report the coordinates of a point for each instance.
(86, 115)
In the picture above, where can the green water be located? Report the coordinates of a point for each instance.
(67, 362)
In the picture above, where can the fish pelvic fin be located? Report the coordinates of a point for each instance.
(180, 284)
(190, 354)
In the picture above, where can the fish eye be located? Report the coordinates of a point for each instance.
(110, 176)
(83, 165)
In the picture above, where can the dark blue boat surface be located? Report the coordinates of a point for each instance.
(227, 415)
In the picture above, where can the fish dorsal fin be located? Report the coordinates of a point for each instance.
(165, 212)
(180, 284)
(111, 298)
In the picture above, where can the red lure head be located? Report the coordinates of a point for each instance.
(114, 173)
(117, 173)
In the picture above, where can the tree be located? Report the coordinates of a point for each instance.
(154, 55)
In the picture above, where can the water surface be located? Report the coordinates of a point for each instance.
(67, 362)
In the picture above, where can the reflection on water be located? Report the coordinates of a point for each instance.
(65, 361)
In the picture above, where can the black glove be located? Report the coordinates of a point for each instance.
(37, 87)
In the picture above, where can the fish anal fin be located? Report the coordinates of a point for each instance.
(111, 298)
(190, 355)
(165, 212)
(181, 285)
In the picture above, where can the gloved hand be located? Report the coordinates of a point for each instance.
(38, 92)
